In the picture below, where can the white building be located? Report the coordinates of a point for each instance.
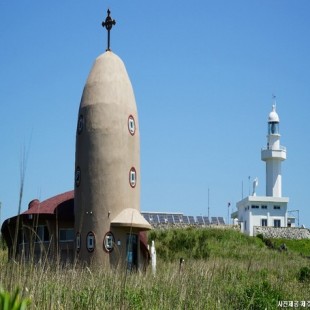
(269, 210)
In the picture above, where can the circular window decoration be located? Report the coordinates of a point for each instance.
(77, 176)
(80, 124)
(108, 242)
(90, 242)
(78, 242)
(131, 125)
(132, 177)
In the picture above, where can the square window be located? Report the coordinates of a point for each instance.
(66, 234)
(42, 234)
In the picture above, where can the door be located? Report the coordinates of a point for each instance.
(132, 251)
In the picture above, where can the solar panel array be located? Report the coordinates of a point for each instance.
(179, 218)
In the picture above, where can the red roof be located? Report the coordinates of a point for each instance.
(48, 206)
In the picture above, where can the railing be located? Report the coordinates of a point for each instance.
(281, 148)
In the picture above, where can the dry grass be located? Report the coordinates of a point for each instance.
(249, 277)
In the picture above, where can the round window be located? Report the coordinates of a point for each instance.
(132, 177)
(108, 242)
(90, 241)
(131, 125)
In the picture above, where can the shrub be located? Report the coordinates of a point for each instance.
(304, 274)
(262, 296)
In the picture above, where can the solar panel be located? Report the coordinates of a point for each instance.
(214, 220)
(221, 220)
(206, 219)
(185, 219)
(154, 218)
(170, 219)
(191, 220)
(176, 218)
(200, 220)
(162, 218)
(146, 216)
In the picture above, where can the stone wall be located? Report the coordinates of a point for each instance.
(282, 232)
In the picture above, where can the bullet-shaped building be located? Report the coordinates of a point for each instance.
(108, 223)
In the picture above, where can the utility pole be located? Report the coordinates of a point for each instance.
(208, 203)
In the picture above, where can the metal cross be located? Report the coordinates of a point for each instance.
(108, 24)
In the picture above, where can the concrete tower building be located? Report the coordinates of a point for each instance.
(273, 155)
(107, 167)
(270, 210)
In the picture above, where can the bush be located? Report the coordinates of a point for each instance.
(262, 296)
(304, 274)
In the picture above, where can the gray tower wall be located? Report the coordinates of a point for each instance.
(105, 152)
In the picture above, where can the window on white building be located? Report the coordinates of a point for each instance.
(264, 207)
(277, 223)
(264, 222)
(255, 207)
(276, 207)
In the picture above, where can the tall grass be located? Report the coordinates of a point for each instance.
(237, 273)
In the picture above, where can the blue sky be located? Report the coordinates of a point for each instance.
(203, 73)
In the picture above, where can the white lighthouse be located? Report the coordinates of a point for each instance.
(271, 210)
(273, 155)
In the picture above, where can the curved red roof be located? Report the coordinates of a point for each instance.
(48, 206)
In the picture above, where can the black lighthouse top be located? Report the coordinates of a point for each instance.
(108, 24)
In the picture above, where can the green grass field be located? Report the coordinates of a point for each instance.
(223, 269)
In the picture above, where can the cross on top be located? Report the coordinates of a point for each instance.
(108, 24)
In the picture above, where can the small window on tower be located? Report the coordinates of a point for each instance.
(131, 125)
(78, 242)
(77, 176)
(80, 124)
(132, 177)
(108, 242)
(90, 242)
